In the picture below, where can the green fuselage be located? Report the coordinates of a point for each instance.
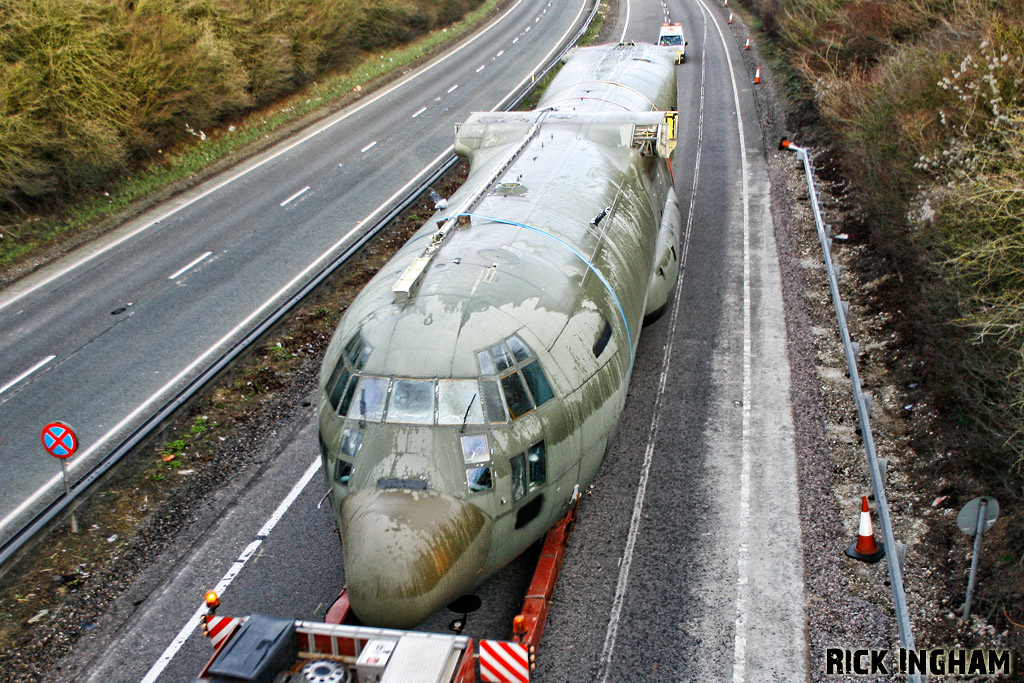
(476, 381)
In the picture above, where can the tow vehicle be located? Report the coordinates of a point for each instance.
(671, 35)
(264, 649)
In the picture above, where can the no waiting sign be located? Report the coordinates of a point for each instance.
(58, 440)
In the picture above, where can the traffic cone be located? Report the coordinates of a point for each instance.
(757, 74)
(730, 17)
(726, 3)
(865, 549)
(747, 45)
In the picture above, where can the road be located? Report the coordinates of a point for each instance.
(102, 339)
(686, 562)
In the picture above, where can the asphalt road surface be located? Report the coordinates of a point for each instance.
(102, 339)
(685, 564)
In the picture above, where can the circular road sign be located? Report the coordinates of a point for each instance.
(58, 440)
(967, 520)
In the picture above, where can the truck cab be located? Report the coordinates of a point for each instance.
(671, 35)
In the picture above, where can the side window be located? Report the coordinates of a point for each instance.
(515, 395)
(538, 383)
(538, 467)
(350, 442)
(511, 367)
(479, 479)
(337, 383)
(518, 463)
(343, 473)
(602, 339)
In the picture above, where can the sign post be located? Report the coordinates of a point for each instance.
(975, 519)
(60, 442)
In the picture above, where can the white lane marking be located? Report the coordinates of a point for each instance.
(26, 373)
(739, 666)
(500, 53)
(543, 59)
(626, 561)
(480, 68)
(172, 385)
(57, 480)
(328, 124)
(527, 30)
(420, 111)
(625, 23)
(297, 194)
(515, 40)
(190, 265)
(453, 89)
(368, 147)
(192, 625)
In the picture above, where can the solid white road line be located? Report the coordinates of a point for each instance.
(626, 561)
(194, 263)
(26, 373)
(297, 194)
(192, 624)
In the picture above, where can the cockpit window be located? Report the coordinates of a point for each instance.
(412, 400)
(475, 449)
(371, 394)
(502, 357)
(518, 348)
(341, 386)
(518, 466)
(458, 402)
(538, 383)
(536, 457)
(350, 441)
(479, 479)
(515, 395)
(486, 363)
(492, 400)
(522, 382)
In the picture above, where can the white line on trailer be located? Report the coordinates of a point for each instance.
(26, 373)
(296, 195)
(193, 263)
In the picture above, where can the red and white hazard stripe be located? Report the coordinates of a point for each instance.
(220, 628)
(503, 662)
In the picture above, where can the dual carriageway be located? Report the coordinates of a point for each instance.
(669, 575)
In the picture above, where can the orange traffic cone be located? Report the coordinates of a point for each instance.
(730, 17)
(726, 3)
(757, 74)
(747, 46)
(865, 549)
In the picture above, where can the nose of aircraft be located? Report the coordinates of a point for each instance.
(409, 552)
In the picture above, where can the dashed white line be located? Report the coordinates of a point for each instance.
(26, 373)
(421, 110)
(296, 195)
(364, 149)
(500, 53)
(480, 68)
(191, 626)
(193, 263)
(515, 40)
(527, 29)
(453, 88)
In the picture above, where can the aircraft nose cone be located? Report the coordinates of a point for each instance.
(407, 553)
